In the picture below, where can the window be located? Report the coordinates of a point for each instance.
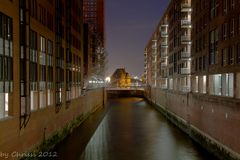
(232, 4)
(42, 64)
(33, 71)
(204, 62)
(239, 24)
(42, 14)
(228, 81)
(50, 21)
(238, 54)
(33, 8)
(225, 7)
(59, 73)
(214, 8)
(224, 31)
(196, 84)
(231, 54)
(213, 57)
(232, 25)
(42, 73)
(224, 56)
(196, 64)
(50, 64)
(200, 63)
(215, 84)
(1, 25)
(50, 72)
(69, 74)
(78, 75)
(6, 64)
(203, 84)
(171, 84)
(222, 84)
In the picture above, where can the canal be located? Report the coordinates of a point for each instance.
(129, 129)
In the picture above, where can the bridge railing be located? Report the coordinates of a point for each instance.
(126, 88)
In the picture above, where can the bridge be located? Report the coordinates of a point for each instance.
(125, 92)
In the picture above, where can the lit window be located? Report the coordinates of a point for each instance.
(228, 81)
(215, 84)
(33, 70)
(196, 84)
(204, 86)
(6, 64)
(42, 74)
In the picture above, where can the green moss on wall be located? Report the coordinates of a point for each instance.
(57, 137)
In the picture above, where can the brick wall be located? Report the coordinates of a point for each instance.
(215, 117)
(45, 122)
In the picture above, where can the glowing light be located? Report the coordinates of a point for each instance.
(6, 102)
(108, 79)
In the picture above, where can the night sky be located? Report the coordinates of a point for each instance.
(129, 26)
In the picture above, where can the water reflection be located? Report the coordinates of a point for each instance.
(133, 130)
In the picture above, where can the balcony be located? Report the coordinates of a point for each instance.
(154, 53)
(154, 61)
(186, 39)
(164, 54)
(164, 44)
(186, 7)
(163, 60)
(163, 83)
(164, 64)
(186, 54)
(185, 70)
(164, 34)
(155, 76)
(164, 25)
(185, 88)
(164, 86)
(154, 46)
(186, 23)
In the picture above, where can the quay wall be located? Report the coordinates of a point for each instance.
(211, 121)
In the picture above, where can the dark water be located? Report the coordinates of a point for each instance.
(130, 130)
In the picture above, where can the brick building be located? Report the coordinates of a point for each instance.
(41, 70)
(43, 48)
(198, 47)
(93, 15)
(216, 52)
(198, 69)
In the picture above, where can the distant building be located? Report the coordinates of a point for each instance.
(121, 78)
(93, 14)
(87, 58)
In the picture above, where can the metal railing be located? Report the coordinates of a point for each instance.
(185, 70)
(186, 54)
(186, 7)
(186, 38)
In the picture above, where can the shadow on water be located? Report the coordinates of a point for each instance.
(129, 130)
(72, 147)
